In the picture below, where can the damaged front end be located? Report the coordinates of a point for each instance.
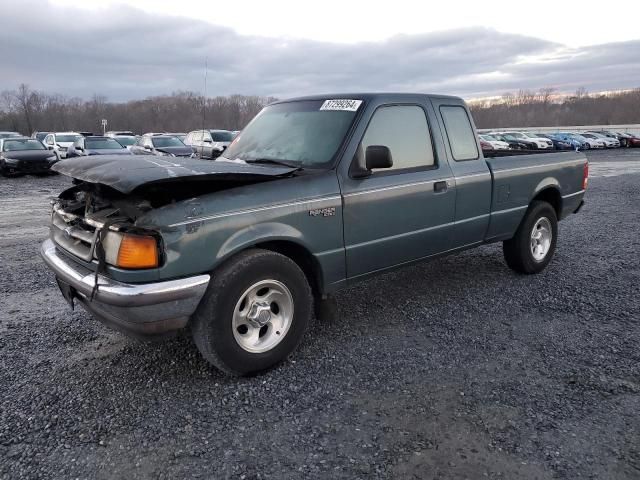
(93, 237)
(107, 246)
(93, 222)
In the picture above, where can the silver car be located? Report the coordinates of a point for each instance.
(209, 143)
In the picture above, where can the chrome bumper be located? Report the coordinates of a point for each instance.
(137, 309)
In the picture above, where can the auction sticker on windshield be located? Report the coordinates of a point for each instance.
(341, 104)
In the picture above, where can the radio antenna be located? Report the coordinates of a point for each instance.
(204, 100)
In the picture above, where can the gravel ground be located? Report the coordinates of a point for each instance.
(454, 369)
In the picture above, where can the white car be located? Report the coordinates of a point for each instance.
(609, 142)
(593, 141)
(59, 142)
(494, 142)
(541, 143)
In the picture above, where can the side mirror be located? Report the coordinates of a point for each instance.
(147, 147)
(50, 147)
(80, 149)
(207, 140)
(378, 156)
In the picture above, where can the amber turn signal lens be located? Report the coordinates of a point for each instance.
(138, 251)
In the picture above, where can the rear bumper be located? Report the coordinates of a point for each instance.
(139, 310)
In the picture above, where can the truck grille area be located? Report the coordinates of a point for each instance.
(77, 234)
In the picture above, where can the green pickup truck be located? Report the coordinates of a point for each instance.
(315, 194)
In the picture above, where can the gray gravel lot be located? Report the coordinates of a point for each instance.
(454, 369)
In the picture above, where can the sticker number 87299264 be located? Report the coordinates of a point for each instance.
(343, 104)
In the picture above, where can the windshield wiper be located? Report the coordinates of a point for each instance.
(274, 161)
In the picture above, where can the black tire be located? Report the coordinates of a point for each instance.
(518, 250)
(212, 325)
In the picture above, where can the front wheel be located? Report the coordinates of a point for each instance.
(532, 247)
(257, 307)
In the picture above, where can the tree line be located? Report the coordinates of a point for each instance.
(25, 110)
(547, 108)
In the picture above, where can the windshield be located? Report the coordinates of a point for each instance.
(13, 145)
(295, 132)
(161, 142)
(67, 138)
(102, 144)
(125, 141)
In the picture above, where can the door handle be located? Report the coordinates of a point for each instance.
(440, 187)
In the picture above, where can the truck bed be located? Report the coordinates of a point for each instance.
(520, 178)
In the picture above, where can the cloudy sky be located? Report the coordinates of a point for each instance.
(282, 48)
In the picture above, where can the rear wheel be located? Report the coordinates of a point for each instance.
(254, 314)
(532, 247)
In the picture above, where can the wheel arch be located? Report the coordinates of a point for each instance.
(549, 191)
(283, 239)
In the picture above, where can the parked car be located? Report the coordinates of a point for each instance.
(126, 141)
(167, 145)
(20, 155)
(237, 249)
(623, 138)
(59, 142)
(485, 146)
(494, 142)
(86, 146)
(633, 141)
(540, 143)
(609, 142)
(39, 135)
(601, 142)
(118, 133)
(592, 142)
(209, 143)
(515, 143)
(579, 142)
(558, 144)
(178, 135)
(10, 134)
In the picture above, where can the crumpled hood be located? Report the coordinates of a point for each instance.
(127, 174)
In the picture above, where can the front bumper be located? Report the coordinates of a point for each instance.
(139, 310)
(26, 166)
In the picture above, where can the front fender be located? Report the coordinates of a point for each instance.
(260, 233)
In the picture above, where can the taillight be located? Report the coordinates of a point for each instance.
(585, 176)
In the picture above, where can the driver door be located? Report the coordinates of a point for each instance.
(403, 213)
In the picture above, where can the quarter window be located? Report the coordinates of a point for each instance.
(461, 137)
(404, 130)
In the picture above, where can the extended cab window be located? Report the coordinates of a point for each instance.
(461, 137)
(404, 130)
